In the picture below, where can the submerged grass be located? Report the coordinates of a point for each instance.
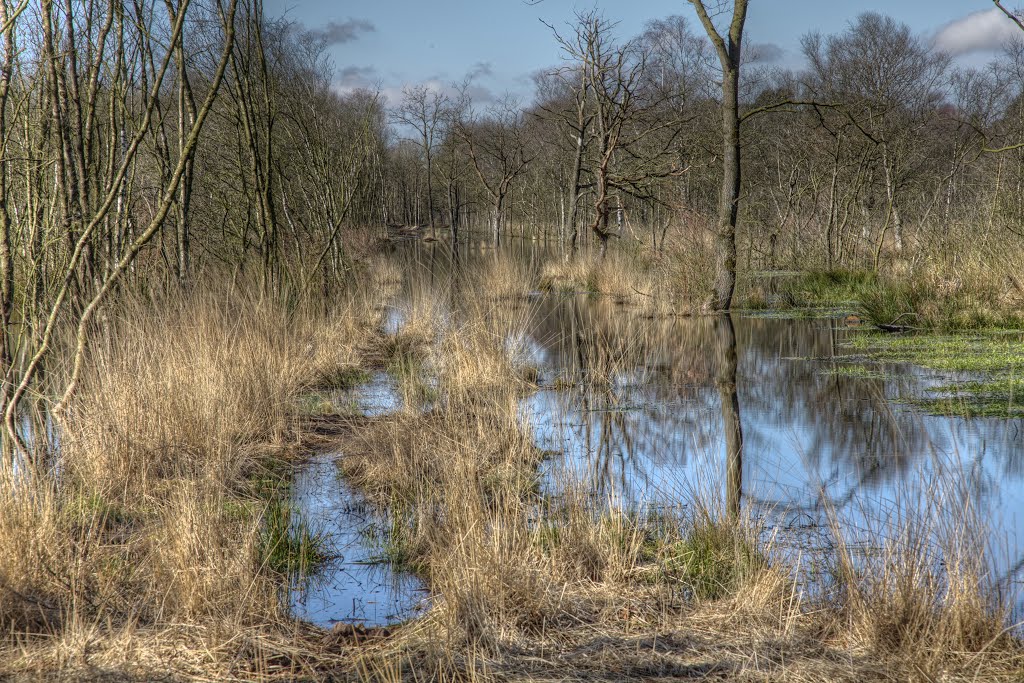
(986, 369)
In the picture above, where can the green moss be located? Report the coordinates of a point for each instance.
(1001, 397)
(92, 507)
(971, 406)
(993, 352)
(994, 361)
(315, 404)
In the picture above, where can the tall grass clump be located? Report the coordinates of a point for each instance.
(160, 522)
(621, 273)
(674, 279)
(977, 285)
(917, 590)
(502, 279)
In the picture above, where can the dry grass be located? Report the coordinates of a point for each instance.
(153, 527)
(922, 595)
(142, 555)
(501, 279)
(674, 281)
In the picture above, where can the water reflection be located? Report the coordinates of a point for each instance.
(644, 411)
(728, 397)
(355, 586)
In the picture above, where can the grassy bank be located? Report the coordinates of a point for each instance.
(904, 298)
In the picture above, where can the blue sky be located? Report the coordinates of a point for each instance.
(392, 43)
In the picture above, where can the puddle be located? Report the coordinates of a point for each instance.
(376, 397)
(354, 586)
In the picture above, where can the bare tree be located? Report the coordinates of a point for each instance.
(889, 85)
(75, 223)
(729, 48)
(497, 149)
(424, 110)
(616, 108)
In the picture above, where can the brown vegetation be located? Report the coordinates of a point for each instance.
(145, 553)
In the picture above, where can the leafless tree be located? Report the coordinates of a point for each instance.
(728, 46)
(424, 110)
(497, 149)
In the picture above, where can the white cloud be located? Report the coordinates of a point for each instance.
(977, 32)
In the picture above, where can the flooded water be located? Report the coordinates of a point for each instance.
(646, 413)
(817, 443)
(356, 584)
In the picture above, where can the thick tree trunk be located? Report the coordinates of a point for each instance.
(729, 200)
(729, 48)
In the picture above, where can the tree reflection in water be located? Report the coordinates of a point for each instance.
(725, 380)
(648, 409)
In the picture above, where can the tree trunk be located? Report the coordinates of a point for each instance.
(725, 338)
(729, 48)
(574, 208)
(729, 200)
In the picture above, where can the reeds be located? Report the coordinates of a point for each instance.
(162, 536)
(162, 508)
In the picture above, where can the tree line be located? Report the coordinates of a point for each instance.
(143, 142)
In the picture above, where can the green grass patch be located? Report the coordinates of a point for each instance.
(287, 545)
(345, 377)
(815, 289)
(994, 362)
(918, 305)
(393, 538)
(712, 560)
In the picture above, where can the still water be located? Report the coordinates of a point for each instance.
(631, 407)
